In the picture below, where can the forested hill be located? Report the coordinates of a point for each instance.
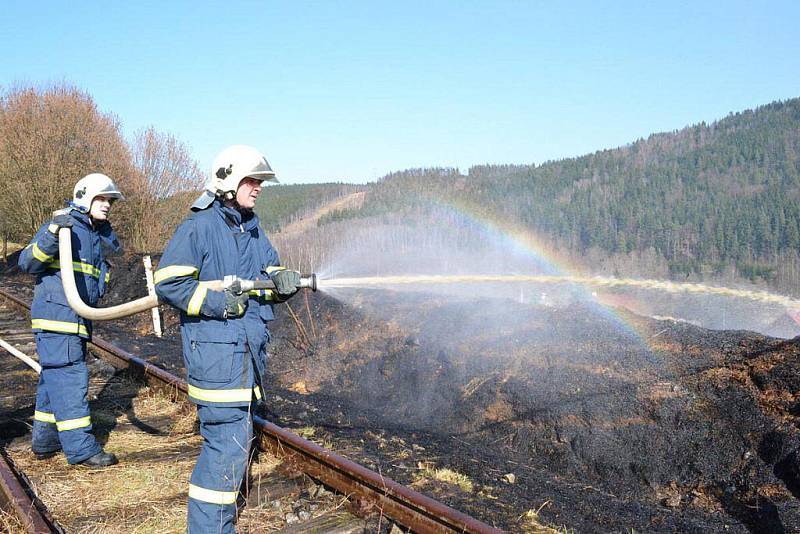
(281, 204)
(705, 198)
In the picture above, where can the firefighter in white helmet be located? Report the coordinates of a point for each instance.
(230, 167)
(61, 420)
(224, 334)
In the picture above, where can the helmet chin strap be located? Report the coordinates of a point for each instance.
(229, 199)
(238, 207)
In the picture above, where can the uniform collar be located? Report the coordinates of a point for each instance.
(246, 220)
(81, 217)
(104, 230)
(101, 227)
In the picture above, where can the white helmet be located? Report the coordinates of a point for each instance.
(93, 185)
(234, 164)
(230, 167)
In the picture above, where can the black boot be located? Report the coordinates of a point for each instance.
(101, 459)
(46, 455)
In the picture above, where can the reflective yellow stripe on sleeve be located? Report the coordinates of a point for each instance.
(264, 294)
(272, 268)
(72, 424)
(59, 326)
(212, 496)
(196, 302)
(84, 268)
(173, 271)
(39, 255)
(44, 417)
(223, 395)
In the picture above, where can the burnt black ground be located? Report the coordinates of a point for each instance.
(674, 428)
(691, 431)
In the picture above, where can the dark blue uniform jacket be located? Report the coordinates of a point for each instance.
(90, 247)
(225, 358)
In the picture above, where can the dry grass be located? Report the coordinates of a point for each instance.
(448, 476)
(147, 491)
(11, 247)
(10, 523)
(306, 432)
(266, 517)
(530, 524)
(310, 433)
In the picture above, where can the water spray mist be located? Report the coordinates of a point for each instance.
(598, 281)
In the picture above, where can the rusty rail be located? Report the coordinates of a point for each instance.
(369, 489)
(15, 498)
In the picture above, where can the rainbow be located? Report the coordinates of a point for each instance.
(544, 256)
(543, 264)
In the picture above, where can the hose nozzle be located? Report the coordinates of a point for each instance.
(238, 286)
(308, 281)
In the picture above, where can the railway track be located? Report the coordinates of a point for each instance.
(369, 494)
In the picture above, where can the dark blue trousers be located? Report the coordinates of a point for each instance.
(61, 419)
(227, 436)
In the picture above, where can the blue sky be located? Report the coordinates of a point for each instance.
(349, 91)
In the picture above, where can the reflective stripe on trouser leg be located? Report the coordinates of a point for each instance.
(44, 436)
(227, 434)
(67, 388)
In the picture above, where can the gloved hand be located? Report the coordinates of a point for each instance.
(286, 282)
(235, 304)
(60, 220)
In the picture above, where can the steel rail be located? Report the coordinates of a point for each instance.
(15, 497)
(371, 490)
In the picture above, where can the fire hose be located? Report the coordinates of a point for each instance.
(75, 301)
(30, 362)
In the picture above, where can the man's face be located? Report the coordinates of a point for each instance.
(247, 193)
(100, 208)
